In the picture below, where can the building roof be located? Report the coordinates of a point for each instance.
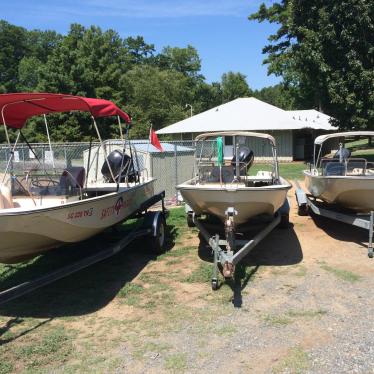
(312, 118)
(246, 114)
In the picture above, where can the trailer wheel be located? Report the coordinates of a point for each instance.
(370, 253)
(214, 284)
(190, 222)
(285, 221)
(302, 210)
(156, 242)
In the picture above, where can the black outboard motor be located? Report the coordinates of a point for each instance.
(343, 153)
(246, 158)
(116, 163)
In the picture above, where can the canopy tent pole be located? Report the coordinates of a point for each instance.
(49, 142)
(102, 144)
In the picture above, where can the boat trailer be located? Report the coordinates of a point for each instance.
(228, 252)
(153, 227)
(307, 203)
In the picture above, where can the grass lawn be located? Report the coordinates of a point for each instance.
(51, 329)
(288, 170)
(365, 153)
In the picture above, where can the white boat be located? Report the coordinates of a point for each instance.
(219, 184)
(43, 209)
(342, 179)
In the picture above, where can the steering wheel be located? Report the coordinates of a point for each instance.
(44, 182)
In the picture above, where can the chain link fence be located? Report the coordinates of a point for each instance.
(172, 166)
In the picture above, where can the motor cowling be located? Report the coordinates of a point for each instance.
(246, 158)
(344, 152)
(117, 161)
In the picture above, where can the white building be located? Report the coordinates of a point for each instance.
(294, 131)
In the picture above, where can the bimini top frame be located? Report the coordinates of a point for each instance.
(237, 133)
(17, 108)
(319, 140)
(249, 134)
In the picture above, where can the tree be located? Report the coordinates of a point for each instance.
(233, 86)
(13, 42)
(154, 96)
(42, 43)
(87, 62)
(184, 60)
(28, 74)
(277, 95)
(324, 50)
(206, 96)
(138, 50)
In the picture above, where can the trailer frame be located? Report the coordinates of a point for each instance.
(307, 203)
(150, 228)
(235, 249)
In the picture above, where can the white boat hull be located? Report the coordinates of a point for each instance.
(26, 233)
(247, 201)
(352, 192)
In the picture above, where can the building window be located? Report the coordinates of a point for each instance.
(229, 140)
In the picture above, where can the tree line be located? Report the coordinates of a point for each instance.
(152, 87)
(323, 50)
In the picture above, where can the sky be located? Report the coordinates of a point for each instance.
(218, 29)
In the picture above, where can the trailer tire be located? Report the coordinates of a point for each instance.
(214, 284)
(190, 222)
(285, 221)
(156, 243)
(302, 210)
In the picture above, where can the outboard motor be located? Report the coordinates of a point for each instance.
(115, 162)
(246, 158)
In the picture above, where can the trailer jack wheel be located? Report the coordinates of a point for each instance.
(302, 210)
(285, 221)
(370, 252)
(190, 222)
(214, 284)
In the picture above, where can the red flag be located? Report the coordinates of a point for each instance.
(154, 140)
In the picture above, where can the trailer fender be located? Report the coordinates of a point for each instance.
(151, 221)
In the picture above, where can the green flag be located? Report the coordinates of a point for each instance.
(220, 151)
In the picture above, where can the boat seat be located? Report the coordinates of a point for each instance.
(334, 168)
(6, 198)
(224, 174)
(73, 177)
(356, 166)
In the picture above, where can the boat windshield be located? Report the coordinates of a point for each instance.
(45, 172)
(344, 156)
(227, 162)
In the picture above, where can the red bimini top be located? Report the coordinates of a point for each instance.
(17, 108)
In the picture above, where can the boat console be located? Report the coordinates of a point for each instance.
(347, 167)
